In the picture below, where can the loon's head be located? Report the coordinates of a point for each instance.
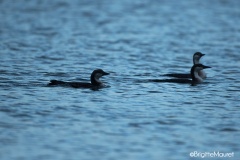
(96, 74)
(195, 72)
(196, 57)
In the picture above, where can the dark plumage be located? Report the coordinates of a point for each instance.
(196, 58)
(194, 75)
(95, 82)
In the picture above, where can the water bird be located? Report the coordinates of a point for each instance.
(196, 78)
(95, 82)
(196, 60)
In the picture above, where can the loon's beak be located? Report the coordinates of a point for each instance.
(206, 67)
(105, 73)
(202, 55)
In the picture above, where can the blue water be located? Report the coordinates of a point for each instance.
(133, 40)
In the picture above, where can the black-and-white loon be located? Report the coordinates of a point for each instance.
(95, 82)
(196, 78)
(196, 58)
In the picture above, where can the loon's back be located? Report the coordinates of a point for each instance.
(184, 81)
(70, 84)
(56, 82)
(178, 75)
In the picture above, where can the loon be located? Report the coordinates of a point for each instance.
(196, 78)
(196, 58)
(95, 82)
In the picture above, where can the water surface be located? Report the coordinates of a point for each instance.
(133, 40)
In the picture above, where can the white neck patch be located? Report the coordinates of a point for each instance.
(196, 59)
(97, 76)
(197, 77)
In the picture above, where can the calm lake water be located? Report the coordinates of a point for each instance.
(133, 40)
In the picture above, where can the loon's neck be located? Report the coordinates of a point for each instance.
(202, 74)
(95, 81)
(196, 61)
(196, 78)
